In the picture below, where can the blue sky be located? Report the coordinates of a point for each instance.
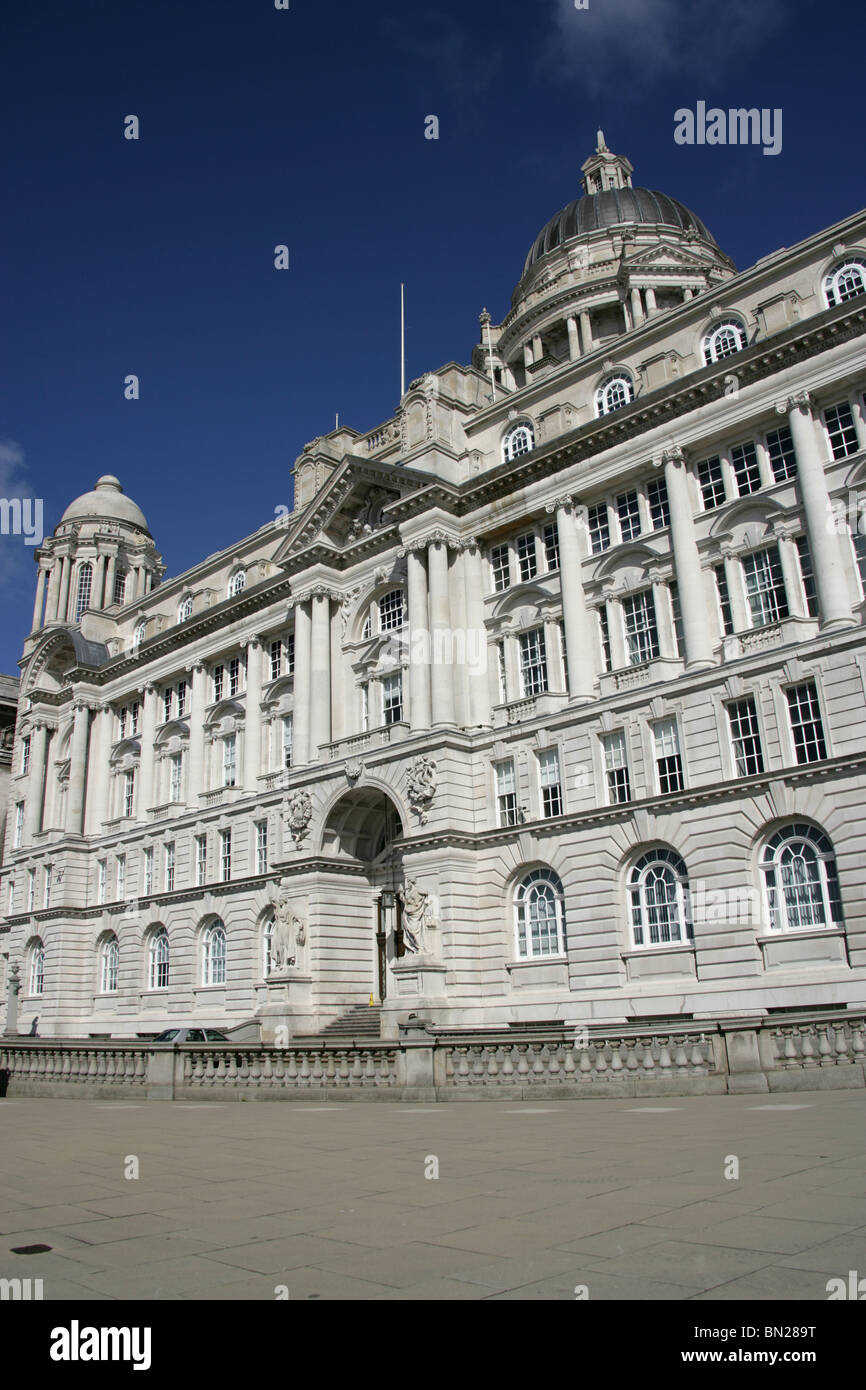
(305, 127)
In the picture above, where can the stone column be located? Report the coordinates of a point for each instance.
(253, 716)
(98, 596)
(35, 782)
(40, 595)
(736, 591)
(651, 302)
(575, 621)
(301, 712)
(834, 600)
(198, 701)
(419, 641)
(618, 650)
(77, 769)
(697, 632)
(636, 306)
(320, 674)
(586, 331)
(110, 577)
(573, 337)
(63, 597)
(480, 714)
(338, 676)
(53, 591)
(537, 348)
(146, 765)
(98, 773)
(442, 671)
(791, 574)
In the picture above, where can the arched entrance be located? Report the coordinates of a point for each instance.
(365, 826)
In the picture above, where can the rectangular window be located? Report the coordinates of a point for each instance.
(49, 878)
(500, 566)
(599, 528)
(10, 897)
(200, 860)
(858, 541)
(167, 703)
(147, 873)
(669, 762)
(31, 889)
(628, 511)
(551, 783)
(176, 776)
(604, 630)
(526, 558)
(234, 676)
(101, 881)
(783, 459)
(262, 847)
(551, 548)
(746, 737)
(25, 756)
(230, 760)
(392, 698)
(533, 662)
(677, 618)
(121, 878)
(807, 575)
(616, 767)
(806, 725)
(765, 587)
(841, 429)
(641, 628)
(506, 793)
(563, 649)
(128, 793)
(365, 708)
(169, 867)
(724, 598)
(290, 654)
(744, 461)
(218, 679)
(391, 615)
(181, 699)
(225, 855)
(711, 481)
(276, 660)
(134, 711)
(288, 731)
(500, 671)
(19, 825)
(657, 496)
(122, 716)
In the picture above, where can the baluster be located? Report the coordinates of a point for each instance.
(305, 1076)
(631, 1061)
(825, 1047)
(507, 1064)
(858, 1045)
(698, 1058)
(807, 1048)
(522, 1059)
(649, 1061)
(681, 1061)
(842, 1056)
(665, 1054)
(615, 1058)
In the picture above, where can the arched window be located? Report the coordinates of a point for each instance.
(158, 960)
(659, 892)
(138, 635)
(85, 582)
(237, 583)
(36, 967)
(539, 916)
(520, 439)
(845, 282)
(109, 960)
(613, 394)
(391, 611)
(801, 886)
(119, 587)
(184, 612)
(267, 945)
(723, 341)
(213, 967)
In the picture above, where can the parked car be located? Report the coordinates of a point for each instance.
(193, 1035)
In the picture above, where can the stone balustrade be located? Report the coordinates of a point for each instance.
(799, 1052)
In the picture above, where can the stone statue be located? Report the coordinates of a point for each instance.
(298, 813)
(289, 933)
(421, 781)
(418, 916)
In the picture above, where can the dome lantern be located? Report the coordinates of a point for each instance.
(605, 170)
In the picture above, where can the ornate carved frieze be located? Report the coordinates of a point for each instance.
(422, 780)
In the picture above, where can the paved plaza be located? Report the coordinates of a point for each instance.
(626, 1197)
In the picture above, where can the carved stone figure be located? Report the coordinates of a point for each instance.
(418, 916)
(298, 813)
(422, 780)
(289, 933)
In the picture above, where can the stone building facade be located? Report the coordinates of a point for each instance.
(546, 702)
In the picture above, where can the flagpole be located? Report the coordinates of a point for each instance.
(402, 342)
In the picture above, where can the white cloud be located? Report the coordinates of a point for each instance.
(638, 43)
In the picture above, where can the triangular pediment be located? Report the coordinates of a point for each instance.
(351, 504)
(665, 256)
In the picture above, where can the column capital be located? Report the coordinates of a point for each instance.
(675, 455)
(786, 530)
(316, 591)
(802, 400)
(441, 537)
(567, 502)
(469, 543)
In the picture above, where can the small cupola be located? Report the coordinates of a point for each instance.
(605, 170)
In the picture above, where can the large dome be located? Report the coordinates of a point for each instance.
(107, 502)
(616, 207)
